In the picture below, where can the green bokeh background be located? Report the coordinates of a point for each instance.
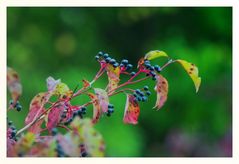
(62, 42)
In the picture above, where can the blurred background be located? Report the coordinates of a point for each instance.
(62, 42)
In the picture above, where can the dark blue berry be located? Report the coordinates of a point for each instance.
(108, 59)
(129, 66)
(100, 53)
(108, 114)
(84, 154)
(146, 62)
(110, 110)
(83, 109)
(144, 98)
(157, 68)
(135, 95)
(54, 131)
(141, 93)
(148, 93)
(111, 106)
(97, 57)
(106, 55)
(18, 107)
(132, 73)
(139, 98)
(116, 65)
(146, 88)
(137, 91)
(121, 65)
(11, 102)
(124, 61)
(10, 123)
(112, 61)
(147, 66)
(151, 68)
(154, 78)
(153, 73)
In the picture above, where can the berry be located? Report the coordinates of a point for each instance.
(151, 68)
(54, 131)
(10, 123)
(111, 106)
(139, 98)
(146, 62)
(111, 110)
(137, 91)
(84, 154)
(18, 107)
(13, 133)
(106, 55)
(132, 73)
(83, 109)
(116, 65)
(141, 93)
(129, 66)
(107, 59)
(154, 78)
(121, 65)
(108, 114)
(146, 88)
(124, 61)
(97, 57)
(153, 73)
(75, 114)
(11, 102)
(148, 93)
(157, 68)
(135, 95)
(144, 98)
(112, 61)
(100, 53)
(147, 66)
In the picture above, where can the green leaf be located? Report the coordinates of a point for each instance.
(192, 71)
(155, 54)
(162, 91)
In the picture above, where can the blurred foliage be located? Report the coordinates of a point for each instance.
(62, 42)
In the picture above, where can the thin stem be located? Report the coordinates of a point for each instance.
(167, 64)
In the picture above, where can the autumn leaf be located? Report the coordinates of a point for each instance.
(35, 110)
(91, 139)
(162, 91)
(192, 71)
(96, 107)
(155, 54)
(131, 112)
(54, 116)
(113, 77)
(14, 85)
(103, 99)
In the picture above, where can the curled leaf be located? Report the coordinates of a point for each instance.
(52, 83)
(14, 85)
(90, 139)
(54, 116)
(155, 54)
(131, 112)
(35, 110)
(103, 99)
(192, 71)
(162, 91)
(96, 107)
(113, 76)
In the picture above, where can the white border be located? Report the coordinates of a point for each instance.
(67, 3)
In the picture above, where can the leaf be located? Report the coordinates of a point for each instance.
(54, 116)
(162, 91)
(155, 54)
(96, 107)
(113, 76)
(103, 99)
(35, 110)
(14, 85)
(24, 144)
(131, 112)
(91, 139)
(192, 71)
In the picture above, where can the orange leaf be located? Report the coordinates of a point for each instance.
(113, 76)
(96, 107)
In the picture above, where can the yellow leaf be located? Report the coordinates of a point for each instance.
(113, 76)
(192, 71)
(155, 54)
(62, 89)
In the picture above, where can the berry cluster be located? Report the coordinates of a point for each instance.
(11, 131)
(152, 69)
(124, 64)
(110, 110)
(141, 95)
(17, 106)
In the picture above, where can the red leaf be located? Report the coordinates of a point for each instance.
(162, 91)
(35, 110)
(54, 116)
(132, 110)
(14, 85)
(96, 106)
(103, 99)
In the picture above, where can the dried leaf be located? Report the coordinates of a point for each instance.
(14, 85)
(96, 107)
(52, 83)
(155, 54)
(103, 99)
(162, 91)
(90, 138)
(192, 71)
(131, 112)
(54, 116)
(113, 77)
(35, 110)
